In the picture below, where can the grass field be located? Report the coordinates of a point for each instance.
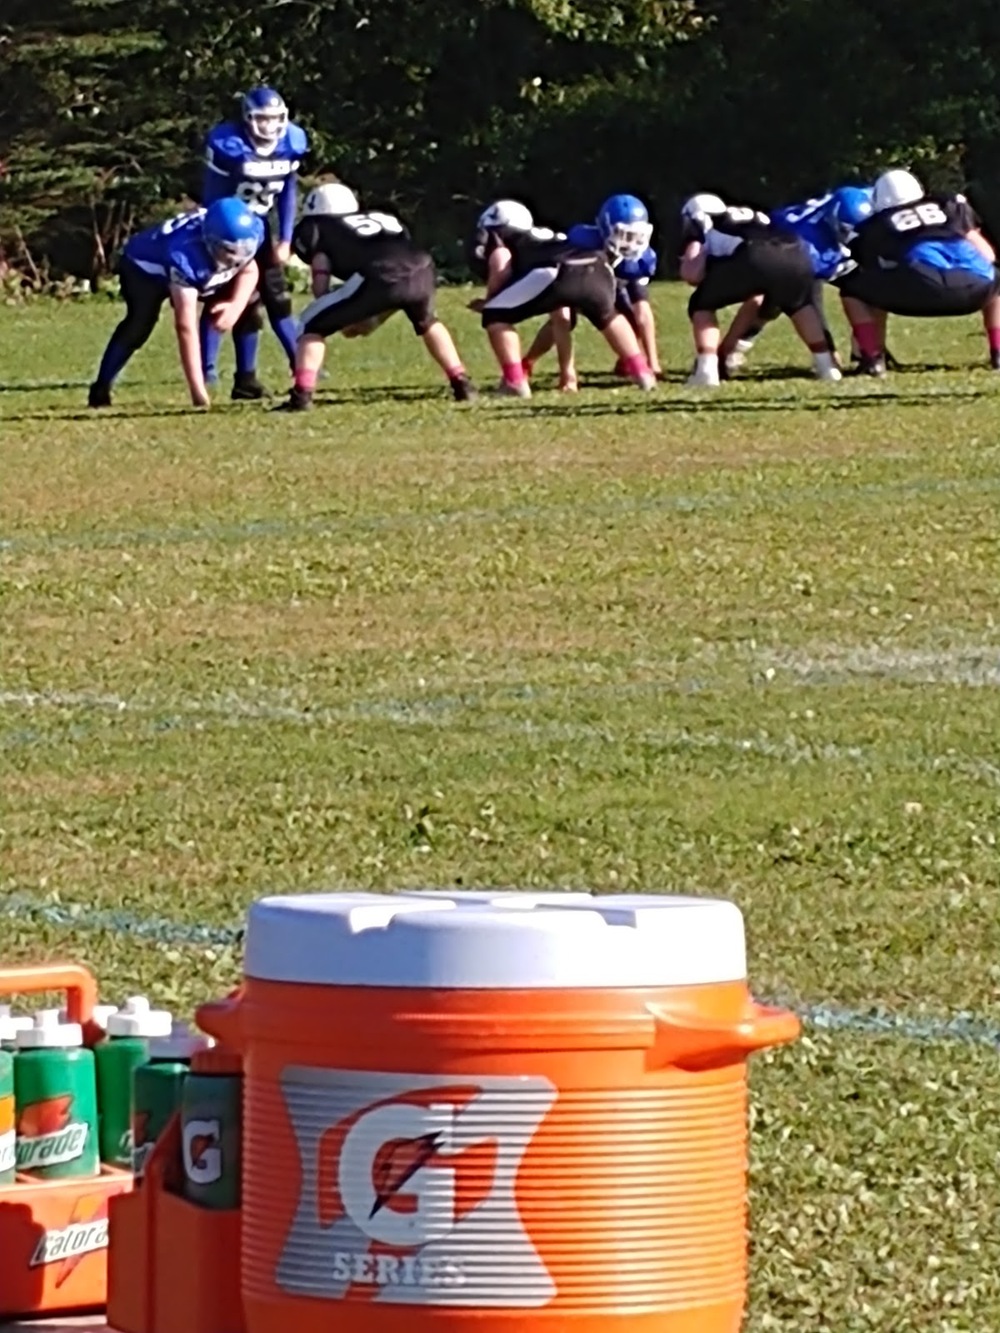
(743, 644)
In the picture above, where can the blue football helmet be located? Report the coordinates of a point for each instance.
(623, 221)
(265, 116)
(232, 233)
(852, 205)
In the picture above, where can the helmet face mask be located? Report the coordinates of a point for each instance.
(623, 221)
(231, 233)
(265, 116)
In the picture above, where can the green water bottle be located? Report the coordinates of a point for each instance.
(8, 1156)
(212, 1131)
(55, 1092)
(125, 1047)
(156, 1090)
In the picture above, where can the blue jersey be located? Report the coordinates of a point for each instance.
(632, 275)
(234, 166)
(813, 222)
(175, 252)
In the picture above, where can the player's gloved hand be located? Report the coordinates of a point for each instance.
(477, 304)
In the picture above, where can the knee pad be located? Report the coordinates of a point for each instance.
(275, 294)
(251, 321)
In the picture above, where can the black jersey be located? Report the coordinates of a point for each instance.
(352, 242)
(538, 248)
(889, 236)
(724, 233)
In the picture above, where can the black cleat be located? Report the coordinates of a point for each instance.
(871, 365)
(297, 401)
(99, 395)
(463, 390)
(247, 389)
(995, 359)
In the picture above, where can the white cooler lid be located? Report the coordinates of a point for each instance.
(495, 941)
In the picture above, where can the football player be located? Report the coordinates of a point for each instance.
(736, 256)
(825, 224)
(919, 254)
(201, 256)
(257, 159)
(623, 230)
(531, 271)
(382, 271)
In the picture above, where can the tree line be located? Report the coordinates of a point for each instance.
(434, 107)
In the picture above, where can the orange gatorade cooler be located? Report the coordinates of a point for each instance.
(508, 1113)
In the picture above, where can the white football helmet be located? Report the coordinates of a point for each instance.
(704, 205)
(894, 188)
(333, 200)
(506, 213)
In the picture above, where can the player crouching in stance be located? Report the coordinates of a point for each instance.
(921, 255)
(203, 256)
(825, 225)
(382, 272)
(532, 271)
(623, 230)
(735, 256)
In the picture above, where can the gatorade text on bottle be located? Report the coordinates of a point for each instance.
(55, 1092)
(211, 1130)
(125, 1047)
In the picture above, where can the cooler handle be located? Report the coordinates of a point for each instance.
(687, 1040)
(79, 985)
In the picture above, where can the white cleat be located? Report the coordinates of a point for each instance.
(520, 390)
(702, 378)
(825, 368)
(645, 382)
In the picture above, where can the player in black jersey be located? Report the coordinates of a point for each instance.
(735, 256)
(531, 271)
(381, 271)
(922, 255)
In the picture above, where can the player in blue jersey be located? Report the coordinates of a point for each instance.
(622, 230)
(257, 159)
(825, 225)
(203, 256)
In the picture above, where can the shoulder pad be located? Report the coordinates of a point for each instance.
(297, 139)
(226, 141)
(584, 234)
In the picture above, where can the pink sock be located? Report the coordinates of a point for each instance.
(527, 366)
(994, 337)
(457, 372)
(866, 336)
(306, 380)
(513, 373)
(634, 366)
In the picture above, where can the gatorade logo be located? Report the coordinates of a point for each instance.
(85, 1233)
(46, 1136)
(142, 1144)
(8, 1153)
(202, 1149)
(408, 1191)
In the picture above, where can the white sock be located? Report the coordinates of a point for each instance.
(707, 363)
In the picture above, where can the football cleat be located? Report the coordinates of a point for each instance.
(520, 390)
(463, 390)
(247, 389)
(99, 395)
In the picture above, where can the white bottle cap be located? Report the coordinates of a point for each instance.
(12, 1024)
(181, 1044)
(136, 1019)
(46, 1031)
